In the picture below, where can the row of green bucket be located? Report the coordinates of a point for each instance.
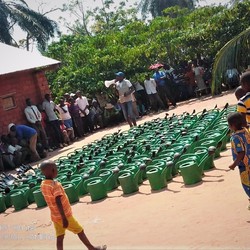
(157, 151)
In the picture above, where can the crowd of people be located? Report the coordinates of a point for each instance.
(50, 126)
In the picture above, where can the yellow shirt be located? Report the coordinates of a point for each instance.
(244, 106)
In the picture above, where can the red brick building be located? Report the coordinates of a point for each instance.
(22, 75)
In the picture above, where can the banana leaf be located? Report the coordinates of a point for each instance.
(236, 52)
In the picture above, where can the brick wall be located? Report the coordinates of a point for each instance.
(20, 85)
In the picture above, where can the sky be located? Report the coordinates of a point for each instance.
(90, 4)
(46, 5)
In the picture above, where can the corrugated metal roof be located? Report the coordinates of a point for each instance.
(13, 59)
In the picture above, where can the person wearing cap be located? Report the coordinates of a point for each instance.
(23, 132)
(125, 89)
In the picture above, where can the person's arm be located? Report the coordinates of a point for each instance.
(131, 88)
(238, 147)
(29, 117)
(87, 104)
(61, 211)
(239, 158)
(79, 105)
(39, 115)
(130, 91)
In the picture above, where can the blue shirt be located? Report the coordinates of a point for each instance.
(240, 141)
(24, 132)
(157, 76)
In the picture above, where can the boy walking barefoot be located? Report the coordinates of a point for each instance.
(61, 212)
(240, 143)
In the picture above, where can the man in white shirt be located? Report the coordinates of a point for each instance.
(154, 98)
(64, 113)
(125, 89)
(83, 105)
(66, 120)
(34, 118)
(49, 107)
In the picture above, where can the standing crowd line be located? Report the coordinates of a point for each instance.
(51, 126)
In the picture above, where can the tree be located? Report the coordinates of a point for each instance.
(156, 7)
(101, 19)
(36, 25)
(89, 60)
(235, 52)
(106, 19)
(81, 16)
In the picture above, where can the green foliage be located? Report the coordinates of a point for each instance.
(180, 35)
(235, 54)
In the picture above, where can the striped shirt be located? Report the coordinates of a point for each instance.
(52, 189)
(244, 106)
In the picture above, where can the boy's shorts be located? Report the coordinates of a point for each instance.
(73, 226)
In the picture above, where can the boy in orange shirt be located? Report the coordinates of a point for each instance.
(61, 212)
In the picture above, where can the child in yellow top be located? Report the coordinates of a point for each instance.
(61, 212)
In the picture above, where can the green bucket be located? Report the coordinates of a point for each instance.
(156, 178)
(2, 204)
(169, 171)
(206, 142)
(77, 180)
(39, 199)
(96, 188)
(110, 178)
(71, 192)
(8, 202)
(19, 200)
(190, 172)
(127, 182)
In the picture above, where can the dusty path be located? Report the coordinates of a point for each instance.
(210, 215)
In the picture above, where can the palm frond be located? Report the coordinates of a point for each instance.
(37, 26)
(5, 35)
(235, 53)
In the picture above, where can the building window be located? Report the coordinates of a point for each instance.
(8, 102)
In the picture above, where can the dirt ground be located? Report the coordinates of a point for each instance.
(210, 215)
